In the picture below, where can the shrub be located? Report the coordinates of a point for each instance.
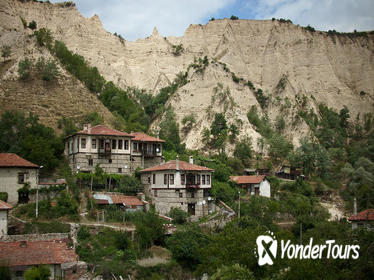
(5, 51)
(44, 37)
(32, 25)
(24, 68)
(178, 215)
(177, 49)
(189, 121)
(83, 233)
(47, 69)
(235, 78)
(4, 196)
(24, 22)
(37, 273)
(234, 17)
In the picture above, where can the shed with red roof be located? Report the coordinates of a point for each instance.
(254, 184)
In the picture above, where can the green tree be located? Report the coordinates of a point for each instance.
(149, 228)
(24, 68)
(243, 150)
(178, 215)
(219, 124)
(47, 69)
(5, 51)
(185, 246)
(44, 37)
(169, 131)
(234, 132)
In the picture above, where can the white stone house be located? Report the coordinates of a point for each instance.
(364, 219)
(181, 185)
(115, 151)
(14, 173)
(4, 209)
(255, 184)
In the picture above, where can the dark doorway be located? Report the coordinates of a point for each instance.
(23, 197)
(191, 209)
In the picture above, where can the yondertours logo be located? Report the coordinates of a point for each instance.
(267, 248)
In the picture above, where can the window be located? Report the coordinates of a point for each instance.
(154, 178)
(83, 143)
(77, 144)
(135, 146)
(180, 194)
(119, 170)
(101, 143)
(114, 144)
(158, 148)
(165, 179)
(149, 179)
(198, 179)
(171, 176)
(21, 178)
(203, 179)
(93, 144)
(192, 194)
(110, 160)
(206, 193)
(126, 144)
(90, 162)
(119, 144)
(155, 193)
(19, 273)
(183, 179)
(208, 179)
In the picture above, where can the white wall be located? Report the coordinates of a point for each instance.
(9, 181)
(3, 223)
(177, 179)
(265, 188)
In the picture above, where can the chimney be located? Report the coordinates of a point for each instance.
(191, 159)
(177, 163)
(89, 128)
(162, 160)
(85, 127)
(23, 244)
(354, 206)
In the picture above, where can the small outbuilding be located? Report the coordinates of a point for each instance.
(254, 184)
(4, 209)
(128, 203)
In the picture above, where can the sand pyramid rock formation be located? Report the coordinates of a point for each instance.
(331, 69)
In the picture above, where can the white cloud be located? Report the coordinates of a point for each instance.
(341, 15)
(136, 18)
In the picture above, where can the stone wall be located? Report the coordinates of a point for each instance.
(35, 237)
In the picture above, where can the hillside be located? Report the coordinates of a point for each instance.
(285, 61)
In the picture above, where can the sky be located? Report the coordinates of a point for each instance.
(135, 19)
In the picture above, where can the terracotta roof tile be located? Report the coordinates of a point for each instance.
(103, 130)
(127, 200)
(53, 251)
(139, 136)
(13, 160)
(5, 206)
(366, 215)
(171, 165)
(253, 179)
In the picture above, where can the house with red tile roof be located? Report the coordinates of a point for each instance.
(4, 209)
(180, 184)
(254, 184)
(115, 151)
(363, 219)
(15, 171)
(22, 255)
(125, 202)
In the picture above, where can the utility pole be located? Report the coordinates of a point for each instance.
(36, 207)
(301, 233)
(354, 206)
(239, 206)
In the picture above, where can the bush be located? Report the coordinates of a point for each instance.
(44, 37)
(234, 17)
(178, 215)
(37, 273)
(47, 69)
(32, 25)
(24, 69)
(5, 51)
(83, 233)
(177, 49)
(4, 196)
(189, 121)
